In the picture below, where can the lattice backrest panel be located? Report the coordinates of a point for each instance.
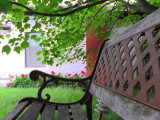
(132, 67)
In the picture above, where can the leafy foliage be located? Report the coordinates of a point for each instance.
(6, 49)
(64, 24)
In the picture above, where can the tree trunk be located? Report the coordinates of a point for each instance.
(146, 7)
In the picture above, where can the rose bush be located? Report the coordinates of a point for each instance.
(23, 80)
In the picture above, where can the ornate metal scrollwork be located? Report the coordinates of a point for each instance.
(34, 75)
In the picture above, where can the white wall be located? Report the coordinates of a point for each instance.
(14, 63)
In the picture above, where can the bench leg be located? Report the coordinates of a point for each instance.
(89, 108)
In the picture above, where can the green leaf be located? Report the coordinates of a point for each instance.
(12, 40)
(26, 19)
(38, 53)
(6, 49)
(67, 2)
(21, 30)
(27, 26)
(24, 44)
(37, 25)
(38, 59)
(1, 36)
(8, 35)
(16, 43)
(9, 30)
(37, 39)
(17, 49)
(33, 31)
(33, 36)
(5, 6)
(19, 25)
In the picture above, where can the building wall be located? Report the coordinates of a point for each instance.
(92, 43)
(15, 63)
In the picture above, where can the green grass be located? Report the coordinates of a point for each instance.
(9, 98)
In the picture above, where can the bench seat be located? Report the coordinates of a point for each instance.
(27, 110)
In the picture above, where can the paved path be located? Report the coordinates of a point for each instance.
(3, 82)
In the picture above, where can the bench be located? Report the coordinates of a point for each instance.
(128, 65)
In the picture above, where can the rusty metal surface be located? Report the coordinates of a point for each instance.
(132, 67)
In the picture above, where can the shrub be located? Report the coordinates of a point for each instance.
(23, 81)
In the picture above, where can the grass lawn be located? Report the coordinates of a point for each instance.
(9, 98)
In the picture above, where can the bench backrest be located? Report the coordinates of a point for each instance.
(130, 62)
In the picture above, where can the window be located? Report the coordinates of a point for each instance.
(30, 57)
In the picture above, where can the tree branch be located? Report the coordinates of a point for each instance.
(96, 14)
(116, 20)
(121, 13)
(74, 6)
(146, 7)
(16, 3)
(133, 7)
(82, 19)
(30, 11)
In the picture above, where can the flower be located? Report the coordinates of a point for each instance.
(12, 76)
(70, 78)
(75, 74)
(69, 74)
(22, 75)
(39, 79)
(10, 80)
(82, 72)
(52, 72)
(59, 74)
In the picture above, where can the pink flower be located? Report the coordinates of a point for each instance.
(10, 80)
(59, 74)
(12, 76)
(52, 72)
(22, 75)
(70, 78)
(39, 79)
(75, 74)
(69, 74)
(82, 72)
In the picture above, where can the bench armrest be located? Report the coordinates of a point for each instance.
(47, 78)
(34, 75)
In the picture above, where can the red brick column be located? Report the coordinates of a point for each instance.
(92, 45)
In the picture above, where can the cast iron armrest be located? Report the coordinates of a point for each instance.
(34, 75)
(47, 78)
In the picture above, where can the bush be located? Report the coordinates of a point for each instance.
(23, 81)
